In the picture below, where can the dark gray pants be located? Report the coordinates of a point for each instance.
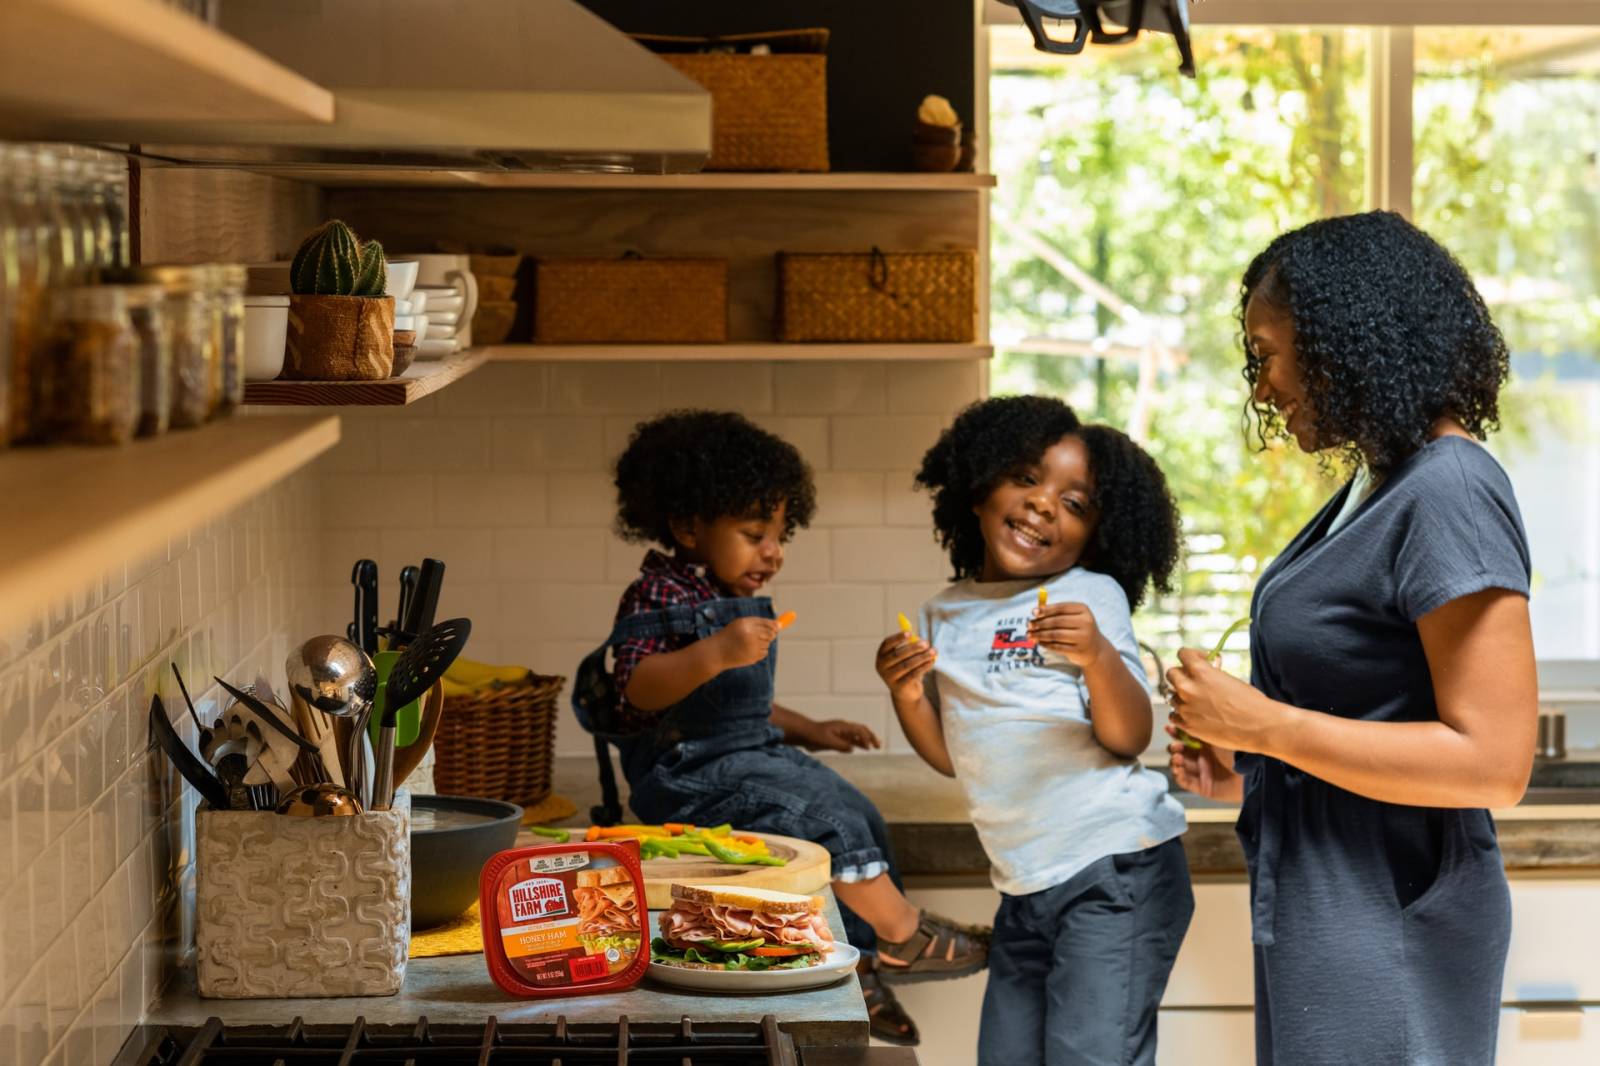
(1077, 971)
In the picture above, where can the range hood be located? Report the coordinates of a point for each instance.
(524, 84)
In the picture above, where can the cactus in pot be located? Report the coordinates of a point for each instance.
(332, 262)
(341, 325)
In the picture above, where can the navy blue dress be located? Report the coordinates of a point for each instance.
(716, 757)
(1380, 930)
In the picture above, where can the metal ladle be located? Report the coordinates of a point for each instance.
(336, 677)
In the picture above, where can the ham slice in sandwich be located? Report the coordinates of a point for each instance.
(729, 927)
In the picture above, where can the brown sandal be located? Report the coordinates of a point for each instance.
(887, 1020)
(938, 951)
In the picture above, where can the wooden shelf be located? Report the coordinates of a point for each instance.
(842, 181)
(422, 378)
(106, 61)
(73, 512)
(689, 353)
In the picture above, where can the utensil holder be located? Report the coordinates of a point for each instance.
(291, 907)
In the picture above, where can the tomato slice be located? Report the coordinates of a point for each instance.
(775, 951)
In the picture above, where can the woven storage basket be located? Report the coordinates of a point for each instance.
(878, 297)
(768, 112)
(499, 743)
(631, 300)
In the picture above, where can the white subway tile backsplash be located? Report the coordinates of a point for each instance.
(82, 807)
(497, 389)
(847, 498)
(552, 554)
(533, 445)
(837, 610)
(805, 558)
(744, 387)
(905, 504)
(854, 671)
(542, 610)
(885, 555)
(464, 552)
(580, 499)
(803, 666)
(933, 387)
(604, 388)
(827, 388)
(486, 500)
(433, 445)
(893, 442)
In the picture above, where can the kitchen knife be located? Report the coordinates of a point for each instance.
(426, 600)
(399, 636)
(365, 579)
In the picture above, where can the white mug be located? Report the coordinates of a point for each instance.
(454, 270)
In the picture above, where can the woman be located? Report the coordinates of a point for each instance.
(1392, 695)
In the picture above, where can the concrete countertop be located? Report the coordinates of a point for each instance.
(458, 988)
(1557, 827)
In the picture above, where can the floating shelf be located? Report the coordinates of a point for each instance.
(422, 378)
(76, 511)
(841, 181)
(108, 61)
(703, 353)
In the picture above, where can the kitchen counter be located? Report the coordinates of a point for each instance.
(1557, 827)
(458, 989)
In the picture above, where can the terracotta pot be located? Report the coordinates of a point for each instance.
(340, 338)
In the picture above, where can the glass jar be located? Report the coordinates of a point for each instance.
(148, 312)
(92, 389)
(195, 360)
(230, 279)
(30, 239)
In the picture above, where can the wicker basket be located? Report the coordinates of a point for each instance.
(878, 297)
(768, 112)
(631, 300)
(499, 743)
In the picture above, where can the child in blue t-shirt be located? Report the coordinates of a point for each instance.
(1026, 685)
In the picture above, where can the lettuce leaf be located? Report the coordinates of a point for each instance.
(663, 952)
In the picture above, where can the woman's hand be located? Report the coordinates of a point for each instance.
(836, 734)
(902, 661)
(1070, 629)
(1206, 771)
(744, 641)
(1212, 705)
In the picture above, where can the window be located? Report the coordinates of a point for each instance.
(1131, 200)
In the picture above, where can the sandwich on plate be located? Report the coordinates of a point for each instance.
(608, 913)
(712, 928)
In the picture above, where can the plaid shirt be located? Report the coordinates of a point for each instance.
(663, 582)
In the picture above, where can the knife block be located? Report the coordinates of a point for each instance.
(289, 907)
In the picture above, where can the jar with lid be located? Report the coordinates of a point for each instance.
(229, 280)
(147, 311)
(193, 334)
(92, 392)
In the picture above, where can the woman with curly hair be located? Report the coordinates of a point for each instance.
(1392, 696)
(689, 697)
(1026, 685)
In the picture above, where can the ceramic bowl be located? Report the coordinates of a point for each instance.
(266, 328)
(452, 837)
(402, 277)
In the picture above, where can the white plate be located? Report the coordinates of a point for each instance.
(841, 962)
(435, 349)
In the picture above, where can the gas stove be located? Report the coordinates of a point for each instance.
(488, 1044)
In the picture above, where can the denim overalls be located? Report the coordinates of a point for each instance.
(715, 756)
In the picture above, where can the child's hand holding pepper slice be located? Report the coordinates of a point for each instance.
(1070, 629)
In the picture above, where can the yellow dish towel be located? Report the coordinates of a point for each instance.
(460, 936)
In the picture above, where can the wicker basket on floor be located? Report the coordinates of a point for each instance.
(878, 297)
(499, 743)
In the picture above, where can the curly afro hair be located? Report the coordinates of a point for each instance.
(1390, 332)
(707, 465)
(1136, 538)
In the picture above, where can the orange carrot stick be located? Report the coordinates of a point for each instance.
(786, 619)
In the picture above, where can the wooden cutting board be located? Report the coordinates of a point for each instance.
(809, 869)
